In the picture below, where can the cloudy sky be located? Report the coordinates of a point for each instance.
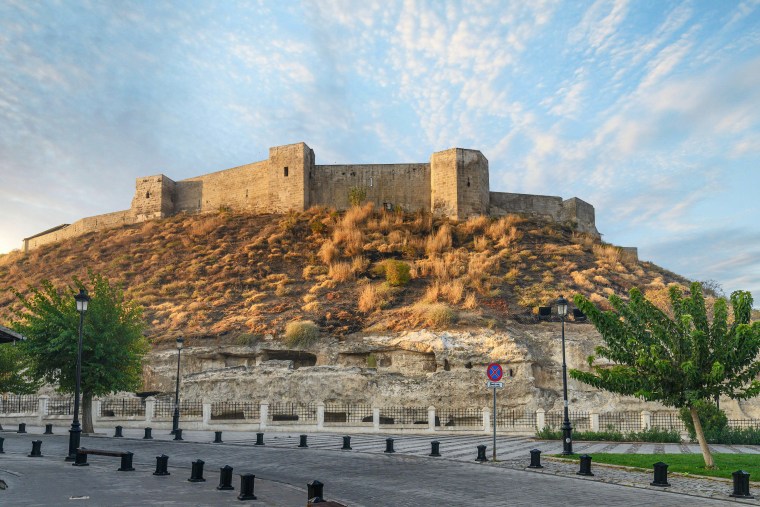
(649, 110)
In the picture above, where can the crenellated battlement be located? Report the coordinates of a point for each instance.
(454, 183)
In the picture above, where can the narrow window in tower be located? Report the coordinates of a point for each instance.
(147, 195)
(370, 181)
(285, 172)
(468, 181)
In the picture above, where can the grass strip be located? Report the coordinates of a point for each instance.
(725, 464)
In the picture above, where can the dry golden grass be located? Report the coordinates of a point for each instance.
(341, 272)
(581, 280)
(480, 243)
(475, 224)
(470, 302)
(607, 253)
(359, 264)
(368, 299)
(439, 242)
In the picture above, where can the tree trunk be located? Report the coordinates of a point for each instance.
(706, 454)
(87, 413)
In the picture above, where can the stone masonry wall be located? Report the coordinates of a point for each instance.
(405, 185)
(455, 184)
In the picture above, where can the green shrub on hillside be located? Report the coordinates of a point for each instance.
(301, 333)
(396, 273)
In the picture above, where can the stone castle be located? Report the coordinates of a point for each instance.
(453, 184)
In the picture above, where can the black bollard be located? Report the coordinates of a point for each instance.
(117, 433)
(259, 440)
(80, 460)
(21, 427)
(218, 438)
(246, 487)
(162, 465)
(346, 443)
(585, 466)
(389, 445)
(535, 459)
(434, 446)
(148, 434)
(225, 478)
(126, 462)
(36, 449)
(178, 434)
(2, 441)
(315, 492)
(660, 474)
(741, 485)
(481, 454)
(302, 441)
(48, 429)
(196, 474)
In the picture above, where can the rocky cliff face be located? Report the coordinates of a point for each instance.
(445, 369)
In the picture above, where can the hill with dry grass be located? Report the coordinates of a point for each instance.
(231, 279)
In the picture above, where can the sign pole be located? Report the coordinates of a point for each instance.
(494, 424)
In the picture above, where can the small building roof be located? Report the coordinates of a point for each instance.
(9, 335)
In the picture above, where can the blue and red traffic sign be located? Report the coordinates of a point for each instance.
(494, 372)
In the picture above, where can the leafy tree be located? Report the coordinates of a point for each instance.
(13, 370)
(677, 361)
(113, 345)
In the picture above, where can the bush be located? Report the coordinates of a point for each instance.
(396, 273)
(714, 420)
(301, 333)
(743, 436)
(357, 195)
(439, 316)
(657, 435)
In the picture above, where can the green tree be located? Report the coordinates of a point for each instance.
(113, 344)
(676, 361)
(14, 374)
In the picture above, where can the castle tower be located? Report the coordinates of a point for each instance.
(289, 168)
(154, 197)
(459, 183)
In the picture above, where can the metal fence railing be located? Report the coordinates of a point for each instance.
(580, 420)
(625, 422)
(61, 405)
(404, 415)
(14, 404)
(744, 423)
(515, 419)
(187, 408)
(347, 413)
(122, 407)
(306, 414)
(248, 410)
(667, 421)
(459, 417)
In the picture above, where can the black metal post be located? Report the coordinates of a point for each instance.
(218, 438)
(117, 432)
(481, 453)
(75, 432)
(196, 472)
(48, 429)
(225, 478)
(162, 465)
(302, 441)
(175, 417)
(148, 434)
(389, 445)
(2, 441)
(434, 448)
(36, 449)
(585, 468)
(81, 460)
(259, 439)
(741, 485)
(535, 459)
(315, 492)
(126, 462)
(567, 428)
(660, 475)
(21, 428)
(346, 443)
(178, 434)
(246, 487)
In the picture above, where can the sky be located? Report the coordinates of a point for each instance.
(647, 109)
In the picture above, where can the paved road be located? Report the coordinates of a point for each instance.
(363, 477)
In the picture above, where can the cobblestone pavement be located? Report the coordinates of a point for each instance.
(363, 476)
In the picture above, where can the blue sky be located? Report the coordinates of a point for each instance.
(649, 110)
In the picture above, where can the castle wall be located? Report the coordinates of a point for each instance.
(545, 206)
(85, 225)
(459, 183)
(154, 197)
(405, 185)
(242, 188)
(289, 168)
(581, 214)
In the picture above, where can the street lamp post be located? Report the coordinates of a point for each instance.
(175, 418)
(75, 432)
(567, 429)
